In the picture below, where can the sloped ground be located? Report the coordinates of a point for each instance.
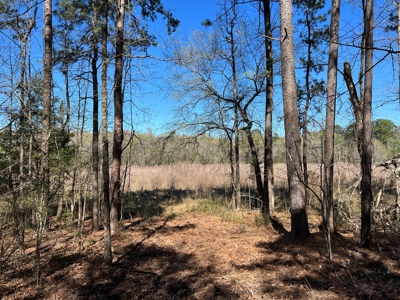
(197, 256)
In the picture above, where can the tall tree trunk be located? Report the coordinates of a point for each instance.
(20, 209)
(268, 191)
(118, 119)
(95, 138)
(231, 40)
(329, 143)
(366, 157)
(299, 222)
(45, 153)
(304, 123)
(107, 256)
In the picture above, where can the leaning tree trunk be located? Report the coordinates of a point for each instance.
(299, 222)
(253, 150)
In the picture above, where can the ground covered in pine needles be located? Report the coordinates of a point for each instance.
(192, 255)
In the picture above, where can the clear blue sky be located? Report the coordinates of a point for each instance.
(191, 13)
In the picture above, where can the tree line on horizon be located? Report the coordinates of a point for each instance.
(225, 78)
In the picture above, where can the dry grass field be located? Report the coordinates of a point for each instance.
(179, 240)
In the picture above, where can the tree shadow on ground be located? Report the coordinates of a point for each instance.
(354, 273)
(277, 225)
(141, 270)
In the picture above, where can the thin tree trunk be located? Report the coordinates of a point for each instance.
(356, 103)
(329, 143)
(107, 256)
(118, 119)
(254, 156)
(238, 197)
(304, 124)
(268, 191)
(237, 192)
(95, 140)
(299, 222)
(20, 210)
(65, 128)
(45, 153)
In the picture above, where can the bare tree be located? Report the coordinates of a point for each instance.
(223, 69)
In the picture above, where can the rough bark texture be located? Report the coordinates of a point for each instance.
(45, 148)
(299, 222)
(366, 156)
(118, 119)
(236, 193)
(47, 79)
(329, 143)
(95, 138)
(107, 256)
(268, 192)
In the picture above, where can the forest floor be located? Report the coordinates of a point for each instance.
(192, 255)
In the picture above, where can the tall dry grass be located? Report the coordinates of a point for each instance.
(184, 176)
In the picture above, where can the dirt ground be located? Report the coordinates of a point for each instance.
(198, 256)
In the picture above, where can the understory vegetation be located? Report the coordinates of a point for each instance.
(175, 236)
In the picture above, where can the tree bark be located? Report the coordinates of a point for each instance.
(356, 103)
(236, 193)
(366, 157)
(95, 138)
(107, 256)
(299, 222)
(254, 156)
(45, 149)
(118, 119)
(329, 143)
(268, 191)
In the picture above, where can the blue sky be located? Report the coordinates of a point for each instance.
(158, 104)
(192, 13)
(154, 106)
